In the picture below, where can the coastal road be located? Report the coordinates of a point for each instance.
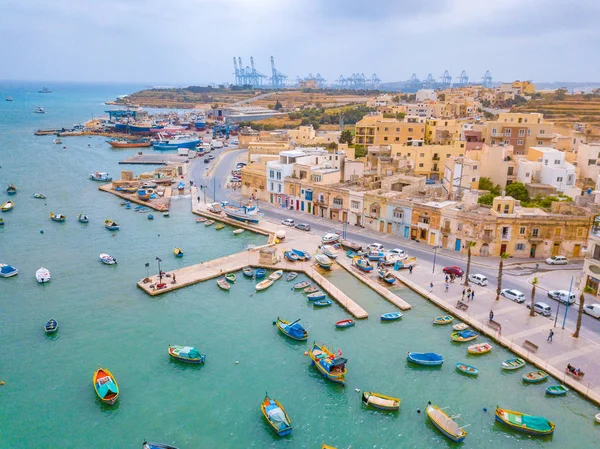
(515, 277)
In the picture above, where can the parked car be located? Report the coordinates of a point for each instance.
(592, 310)
(562, 296)
(303, 226)
(557, 260)
(478, 279)
(456, 271)
(211, 156)
(513, 295)
(234, 141)
(206, 160)
(288, 222)
(542, 308)
(375, 247)
(397, 251)
(234, 179)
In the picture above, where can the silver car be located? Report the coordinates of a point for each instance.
(513, 295)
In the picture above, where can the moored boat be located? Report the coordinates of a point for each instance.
(557, 390)
(276, 416)
(178, 252)
(479, 348)
(462, 336)
(380, 401)
(291, 256)
(100, 176)
(332, 366)
(187, 354)
(301, 284)
(311, 289)
(344, 323)
(219, 226)
(323, 261)
(323, 303)
(246, 214)
(51, 326)
(150, 217)
(302, 255)
(276, 275)
(8, 205)
(447, 319)
(405, 263)
(57, 217)
(238, 231)
(316, 296)
(126, 143)
(386, 276)
(11, 189)
(248, 272)
(512, 364)
(445, 423)
(175, 142)
(293, 330)
(425, 358)
(291, 276)
(533, 425)
(209, 222)
(106, 386)
(108, 259)
(82, 218)
(222, 282)
(111, 225)
(328, 251)
(39, 196)
(43, 275)
(467, 369)
(350, 246)
(375, 255)
(460, 327)
(143, 194)
(152, 445)
(391, 316)
(7, 270)
(230, 277)
(351, 254)
(260, 273)
(362, 264)
(57, 141)
(264, 284)
(535, 377)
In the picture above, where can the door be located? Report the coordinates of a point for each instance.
(381, 225)
(389, 228)
(593, 284)
(532, 250)
(302, 207)
(432, 238)
(576, 250)
(555, 249)
(406, 231)
(502, 248)
(457, 245)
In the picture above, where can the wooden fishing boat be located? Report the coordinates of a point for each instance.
(316, 296)
(302, 255)
(467, 369)
(57, 217)
(380, 401)
(535, 377)
(293, 330)
(323, 303)
(445, 423)
(11, 189)
(557, 390)
(43, 275)
(201, 220)
(264, 284)
(462, 336)
(260, 273)
(479, 348)
(222, 282)
(327, 446)
(342, 324)
(237, 231)
(301, 284)
(106, 386)
(425, 358)
(350, 246)
(51, 326)
(276, 416)
(362, 264)
(391, 316)
(248, 272)
(323, 261)
(177, 252)
(351, 254)
(230, 277)
(291, 256)
(375, 256)
(291, 276)
(39, 196)
(8, 205)
(152, 445)
(311, 289)
(209, 222)
(187, 354)
(386, 276)
(276, 275)
(82, 218)
(328, 251)
(512, 364)
(330, 365)
(460, 327)
(447, 319)
(533, 425)
(219, 226)
(107, 259)
(111, 225)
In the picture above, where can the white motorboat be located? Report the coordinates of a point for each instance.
(57, 141)
(100, 176)
(42, 275)
(39, 110)
(108, 259)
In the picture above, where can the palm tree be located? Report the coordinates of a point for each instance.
(534, 283)
(469, 246)
(580, 311)
(500, 267)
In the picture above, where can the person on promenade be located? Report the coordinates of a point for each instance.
(447, 278)
(491, 315)
(463, 294)
(430, 287)
(550, 334)
(447, 285)
(468, 294)
(410, 268)
(473, 295)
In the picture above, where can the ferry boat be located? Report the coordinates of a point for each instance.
(124, 143)
(39, 110)
(175, 142)
(247, 214)
(44, 90)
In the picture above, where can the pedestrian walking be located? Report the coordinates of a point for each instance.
(550, 334)
(491, 315)
(447, 285)
(447, 278)
(430, 287)
(463, 294)
(410, 268)
(198, 199)
(473, 295)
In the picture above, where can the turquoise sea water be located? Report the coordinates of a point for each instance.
(105, 319)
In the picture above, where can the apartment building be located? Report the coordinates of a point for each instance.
(521, 130)
(548, 166)
(307, 136)
(374, 129)
(496, 163)
(429, 160)
(588, 160)
(442, 131)
(591, 266)
(460, 174)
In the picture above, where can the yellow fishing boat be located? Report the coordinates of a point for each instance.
(381, 401)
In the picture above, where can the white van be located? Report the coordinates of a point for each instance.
(478, 279)
(216, 143)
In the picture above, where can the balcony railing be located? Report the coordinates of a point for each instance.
(545, 136)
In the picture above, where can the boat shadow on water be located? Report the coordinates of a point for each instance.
(107, 408)
(183, 366)
(502, 428)
(416, 367)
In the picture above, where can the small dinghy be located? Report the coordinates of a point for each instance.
(291, 256)
(479, 348)
(7, 206)
(230, 277)
(328, 251)
(301, 284)
(291, 276)
(166, 214)
(106, 386)
(200, 220)
(535, 377)
(248, 272)
(323, 303)
(264, 284)
(276, 275)
(512, 364)
(7, 270)
(222, 282)
(533, 425)
(447, 319)
(276, 416)
(467, 369)
(39, 196)
(150, 217)
(460, 327)
(178, 252)
(323, 261)
(425, 358)
(209, 222)
(57, 217)
(238, 231)
(187, 354)
(108, 259)
(82, 218)
(293, 330)
(380, 401)
(151, 445)
(597, 418)
(391, 316)
(111, 225)
(51, 326)
(43, 275)
(316, 296)
(219, 226)
(462, 336)
(311, 289)
(445, 423)
(557, 390)
(260, 273)
(342, 324)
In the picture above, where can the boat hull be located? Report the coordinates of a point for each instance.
(501, 416)
(380, 401)
(196, 361)
(467, 369)
(333, 377)
(281, 432)
(535, 377)
(109, 398)
(432, 413)
(425, 359)
(280, 325)
(344, 324)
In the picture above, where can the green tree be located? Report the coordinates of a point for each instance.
(503, 256)
(278, 105)
(487, 199)
(580, 311)
(346, 137)
(332, 146)
(305, 122)
(487, 184)
(533, 283)
(469, 246)
(442, 97)
(400, 115)
(559, 94)
(359, 151)
(387, 115)
(518, 191)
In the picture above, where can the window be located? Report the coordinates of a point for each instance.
(557, 232)
(421, 165)
(546, 162)
(522, 230)
(520, 142)
(508, 132)
(422, 155)
(507, 142)
(338, 202)
(354, 204)
(580, 232)
(487, 233)
(397, 130)
(397, 139)
(521, 133)
(279, 188)
(385, 129)
(510, 171)
(474, 167)
(448, 155)
(520, 246)
(410, 130)
(505, 232)
(317, 178)
(272, 186)
(529, 132)
(542, 131)
(385, 138)
(493, 142)
(556, 161)
(493, 131)
(398, 214)
(535, 232)
(559, 179)
(278, 175)
(506, 208)
(424, 219)
(271, 174)
(596, 254)
(540, 142)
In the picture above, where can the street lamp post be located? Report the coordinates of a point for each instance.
(568, 302)
(159, 270)
(434, 257)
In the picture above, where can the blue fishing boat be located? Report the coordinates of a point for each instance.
(51, 326)
(291, 256)
(291, 276)
(462, 336)
(330, 364)
(143, 194)
(128, 206)
(150, 217)
(302, 255)
(316, 296)
(425, 358)
(386, 276)
(557, 390)
(177, 252)
(375, 255)
(111, 225)
(178, 141)
(7, 271)
(391, 316)
(248, 272)
(467, 369)
(200, 124)
(260, 273)
(11, 189)
(344, 323)
(276, 416)
(362, 264)
(246, 214)
(351, 253)
(293, 330)
(187, 354)
(82, 218)
(323, 303)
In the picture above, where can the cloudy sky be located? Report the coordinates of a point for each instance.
(193, 41)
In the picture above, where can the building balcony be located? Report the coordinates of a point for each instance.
(487, 238)
(497, 134)
(545, 136)
(435, 158)
(446, 230)
(535, 239)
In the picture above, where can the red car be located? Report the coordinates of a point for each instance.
(456, 271)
